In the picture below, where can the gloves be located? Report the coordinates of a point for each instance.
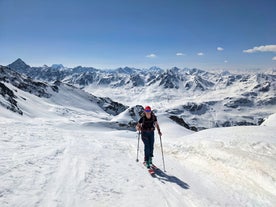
(160, 133)
(138, 127)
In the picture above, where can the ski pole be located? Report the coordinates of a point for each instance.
(137, 160)
(162, 153)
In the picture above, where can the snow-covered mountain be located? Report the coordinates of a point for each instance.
(20, 66)
(202, 99)
(18, 92)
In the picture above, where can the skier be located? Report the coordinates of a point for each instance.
(146, 125)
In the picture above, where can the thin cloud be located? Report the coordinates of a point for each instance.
(151, 56)
(274, 58)
(225, 61)
(263, 48)
(179, 54)
(220, 49)
(200, 54)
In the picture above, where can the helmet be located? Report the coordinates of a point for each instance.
(147, 109)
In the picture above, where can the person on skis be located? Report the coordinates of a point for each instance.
(146, 125)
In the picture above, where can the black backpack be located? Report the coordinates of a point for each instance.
(153, 117)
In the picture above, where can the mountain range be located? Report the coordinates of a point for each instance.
(194, 98)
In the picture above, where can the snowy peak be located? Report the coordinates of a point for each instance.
(155, 68)
(57, 66)
(170, 79)
(126, 70)
(80, 69)
(19, 65)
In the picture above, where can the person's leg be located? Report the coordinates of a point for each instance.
(151, 146)
(146, 140)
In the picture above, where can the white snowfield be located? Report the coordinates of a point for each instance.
(60, 156)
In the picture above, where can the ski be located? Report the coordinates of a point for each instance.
(151, 172)
(152, 169)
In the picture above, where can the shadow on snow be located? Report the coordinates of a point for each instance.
(163, 177)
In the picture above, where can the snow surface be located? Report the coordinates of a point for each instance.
(61, 154)
(270, 121)
(64, 152)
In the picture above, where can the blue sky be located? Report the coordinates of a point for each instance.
(213, 34)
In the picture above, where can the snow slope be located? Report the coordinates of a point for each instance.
(66, 150)
(270, 121)
(65, 161)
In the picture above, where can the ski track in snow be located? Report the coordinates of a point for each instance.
(54, 167)
(43, 164)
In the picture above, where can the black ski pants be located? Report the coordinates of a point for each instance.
(148, 139)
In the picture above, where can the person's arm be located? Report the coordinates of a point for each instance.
(139, 126)
(158, 128)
